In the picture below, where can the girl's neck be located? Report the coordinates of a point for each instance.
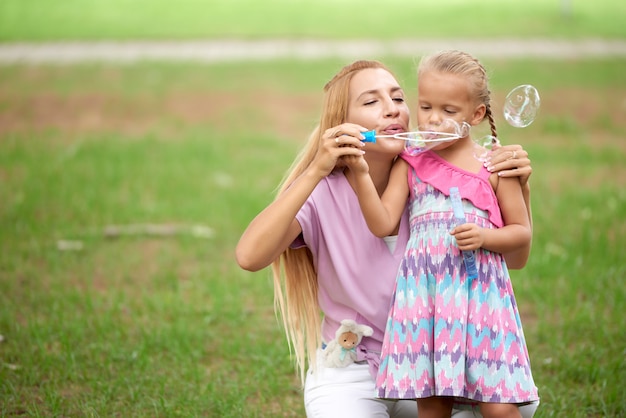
(461, 154)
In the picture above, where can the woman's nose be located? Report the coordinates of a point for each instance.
(391, 108)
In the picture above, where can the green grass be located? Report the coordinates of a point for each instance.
(133, 326)
(152, 325)
(39, 20)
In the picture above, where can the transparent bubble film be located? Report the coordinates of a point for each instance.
(428, 137)
(521, 106)
(483, 146)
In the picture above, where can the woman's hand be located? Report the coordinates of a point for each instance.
(341, 145)
(510, 161)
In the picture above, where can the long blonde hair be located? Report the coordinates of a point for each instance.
(295, 278)
(463, 64)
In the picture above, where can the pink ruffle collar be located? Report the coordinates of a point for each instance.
(475, 187)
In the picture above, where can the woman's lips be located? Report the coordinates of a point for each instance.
(393, 129)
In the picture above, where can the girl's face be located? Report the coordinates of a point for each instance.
(444, 96)
(376, 102)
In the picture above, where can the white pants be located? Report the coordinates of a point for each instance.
(349, 392)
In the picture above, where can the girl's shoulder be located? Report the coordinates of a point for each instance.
(429, 168)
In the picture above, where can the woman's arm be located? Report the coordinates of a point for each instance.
(275, 228)
(272, 230)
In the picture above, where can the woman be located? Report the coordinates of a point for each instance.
(323, 256)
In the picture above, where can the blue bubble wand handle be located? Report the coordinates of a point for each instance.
(459, 214)
(370, 136)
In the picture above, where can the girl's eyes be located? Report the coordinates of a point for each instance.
(448, 111)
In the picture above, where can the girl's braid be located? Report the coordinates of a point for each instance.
(492, 122)
(486, 97)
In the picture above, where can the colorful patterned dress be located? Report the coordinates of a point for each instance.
(446, 336)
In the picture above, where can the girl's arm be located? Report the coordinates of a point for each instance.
(513, 238)
(383, 214)
(517, 259)
(501, 161)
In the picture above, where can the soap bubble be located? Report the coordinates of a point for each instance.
(521, 106)
(483, 147)
(428, 137)
(520, 109)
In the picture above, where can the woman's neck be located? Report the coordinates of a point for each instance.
(379, 171)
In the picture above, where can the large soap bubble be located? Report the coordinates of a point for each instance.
(520, 110)
(521, 106)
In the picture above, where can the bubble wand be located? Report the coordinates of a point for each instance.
(417, 136)
(421, 140)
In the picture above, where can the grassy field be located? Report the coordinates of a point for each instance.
(125, 189)
(44, 20)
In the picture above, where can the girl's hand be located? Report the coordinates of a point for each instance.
(468, 236)
(338, 143)
(510, 161)
(356, 164)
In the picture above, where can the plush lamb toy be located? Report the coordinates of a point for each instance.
(342, 350)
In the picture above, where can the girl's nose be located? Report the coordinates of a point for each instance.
(435, 119)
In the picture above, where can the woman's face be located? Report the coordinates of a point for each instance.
(376, 102)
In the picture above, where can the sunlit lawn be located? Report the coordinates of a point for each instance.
(125, 190)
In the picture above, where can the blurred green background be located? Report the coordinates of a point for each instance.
(187, 19)
(125, 187)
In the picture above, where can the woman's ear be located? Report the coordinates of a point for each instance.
(479, 114)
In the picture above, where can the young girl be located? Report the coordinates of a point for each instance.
(450, 339)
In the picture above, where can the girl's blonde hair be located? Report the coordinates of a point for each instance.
(463, 64)
(295, 278)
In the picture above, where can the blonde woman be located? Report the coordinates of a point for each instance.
(327, 265)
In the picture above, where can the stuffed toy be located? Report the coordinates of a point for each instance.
(342, 350)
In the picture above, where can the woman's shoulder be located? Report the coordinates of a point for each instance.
(333, 183)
